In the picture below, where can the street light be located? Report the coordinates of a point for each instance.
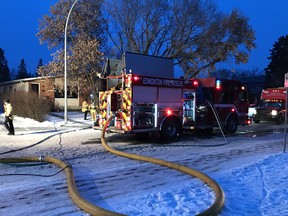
(65, 64)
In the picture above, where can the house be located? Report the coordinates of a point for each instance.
(49, 87)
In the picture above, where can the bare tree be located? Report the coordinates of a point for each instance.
(192, 32)
(85, 38)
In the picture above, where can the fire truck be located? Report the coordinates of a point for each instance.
(273, 107)
(168, 106)
(228, 103)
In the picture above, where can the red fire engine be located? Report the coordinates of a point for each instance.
(228, 102)
(273, 107)
(143, 103)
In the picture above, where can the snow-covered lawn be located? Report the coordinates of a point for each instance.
(252, 170)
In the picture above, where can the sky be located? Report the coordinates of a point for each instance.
(268, 18)
(251, 170)
(19, 25)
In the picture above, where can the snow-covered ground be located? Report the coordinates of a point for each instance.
(251, 169)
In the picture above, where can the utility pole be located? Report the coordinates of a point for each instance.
(65, 64)
(286, 98)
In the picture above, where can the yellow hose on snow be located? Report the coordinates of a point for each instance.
(74, 194)
(214, 209)
(92, 209)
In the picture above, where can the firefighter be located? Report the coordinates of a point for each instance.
(85, 107)
(93, 111)
(8, 122)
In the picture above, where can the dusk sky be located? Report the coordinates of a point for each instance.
(20, 18)
(19, 25)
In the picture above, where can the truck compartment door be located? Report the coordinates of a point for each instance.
(189, 107)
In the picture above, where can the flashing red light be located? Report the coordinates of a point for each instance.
(233, 110)
(195, 83)
(135, 78)
(242, 87)
(249, 122)
(169, 112)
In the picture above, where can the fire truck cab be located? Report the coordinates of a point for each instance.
(273, 107)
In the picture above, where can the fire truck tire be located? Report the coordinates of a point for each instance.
(231, 125)
(279, 119)
(256, 121)
(170, 128)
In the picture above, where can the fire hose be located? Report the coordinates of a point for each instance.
(92, 209)
(73, 192)
(214, 209)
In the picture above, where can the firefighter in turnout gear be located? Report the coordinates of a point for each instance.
(93, 111)
(85, 107)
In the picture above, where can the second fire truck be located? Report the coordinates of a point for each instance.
(165, 105)
(273, 107)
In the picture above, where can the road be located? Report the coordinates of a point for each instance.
(103, 178)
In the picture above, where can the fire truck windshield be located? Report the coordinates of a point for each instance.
(188, 95)
(272, 104)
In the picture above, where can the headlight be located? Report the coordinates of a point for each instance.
(252, 111)
(274, 112)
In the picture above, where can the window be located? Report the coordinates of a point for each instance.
(35, 88)
(72, 92)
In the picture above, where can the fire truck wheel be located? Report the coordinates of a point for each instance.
(231, 125)
(280, 119)
(170, 128)
(256, 121)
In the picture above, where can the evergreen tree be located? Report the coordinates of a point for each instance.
(278, 66)
(13, 73)
(39, 65)
(4, 69)
(22, 71)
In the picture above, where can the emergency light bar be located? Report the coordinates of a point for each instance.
(218, 84)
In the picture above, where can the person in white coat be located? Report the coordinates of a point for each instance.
(8, 122)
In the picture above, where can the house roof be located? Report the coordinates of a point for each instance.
(21, 80)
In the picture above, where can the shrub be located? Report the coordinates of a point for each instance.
(30, 105)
